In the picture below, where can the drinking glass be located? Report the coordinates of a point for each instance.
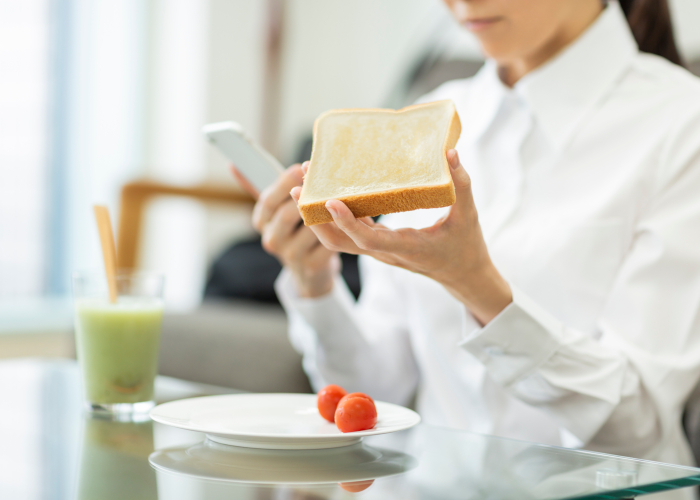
(117, 343)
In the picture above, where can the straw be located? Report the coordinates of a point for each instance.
(109, 254)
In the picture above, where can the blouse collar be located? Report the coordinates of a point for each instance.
(563, 90)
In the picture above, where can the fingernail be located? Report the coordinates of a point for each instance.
(454, 163)
(333, 211)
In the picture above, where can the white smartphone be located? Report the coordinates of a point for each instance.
(258, 166)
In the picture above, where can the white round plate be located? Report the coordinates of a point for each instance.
(209, 460)
(273, 421)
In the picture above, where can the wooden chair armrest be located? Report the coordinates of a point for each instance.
(135, 195)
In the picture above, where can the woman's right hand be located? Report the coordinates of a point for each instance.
(284, 235)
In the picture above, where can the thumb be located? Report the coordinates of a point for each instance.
(464, 205)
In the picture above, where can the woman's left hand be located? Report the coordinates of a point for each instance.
(452, 251)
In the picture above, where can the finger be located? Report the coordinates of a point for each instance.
(333, 238)
(367, 238)
(296, 191)
(252, 190)
(369, 221)
(300, 245)
(278, 231)
(318, 257)
(272, 197)
(464, 204)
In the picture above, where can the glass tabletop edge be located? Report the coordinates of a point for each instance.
(695, 470)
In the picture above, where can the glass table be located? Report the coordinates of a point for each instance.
(49, 449)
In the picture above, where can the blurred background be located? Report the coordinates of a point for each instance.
(96, 94)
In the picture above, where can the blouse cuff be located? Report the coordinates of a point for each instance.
(321, 313)
(516, 342)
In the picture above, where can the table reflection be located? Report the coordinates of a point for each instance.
(355, 463)
(114, 460)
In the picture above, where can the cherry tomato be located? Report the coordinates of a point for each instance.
(328, 399)
(357, 395)
(355, 414)
(356, 486)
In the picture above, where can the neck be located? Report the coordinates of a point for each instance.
(512, 70)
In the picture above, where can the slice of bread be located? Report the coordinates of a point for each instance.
(380, 161)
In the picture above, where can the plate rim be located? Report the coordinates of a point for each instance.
(370, 432)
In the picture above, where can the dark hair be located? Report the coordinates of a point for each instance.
(651, 25)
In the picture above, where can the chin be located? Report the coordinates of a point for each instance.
(497, 51)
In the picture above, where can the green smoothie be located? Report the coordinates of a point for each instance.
(118, 348)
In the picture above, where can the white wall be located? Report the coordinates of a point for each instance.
(686, 20)
(235, 44)
(175, 88)
(342, 54)
(24, 93)
(105, 116)
(206, 66)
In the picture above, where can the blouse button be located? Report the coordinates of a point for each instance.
(494, 351)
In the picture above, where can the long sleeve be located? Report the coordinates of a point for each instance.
(362, 346)
(621, 390)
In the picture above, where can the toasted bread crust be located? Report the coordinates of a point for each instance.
(394, 200)
(385, 202)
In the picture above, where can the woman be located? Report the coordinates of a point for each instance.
(557, 300)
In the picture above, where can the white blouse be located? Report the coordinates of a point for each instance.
(586, 176)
